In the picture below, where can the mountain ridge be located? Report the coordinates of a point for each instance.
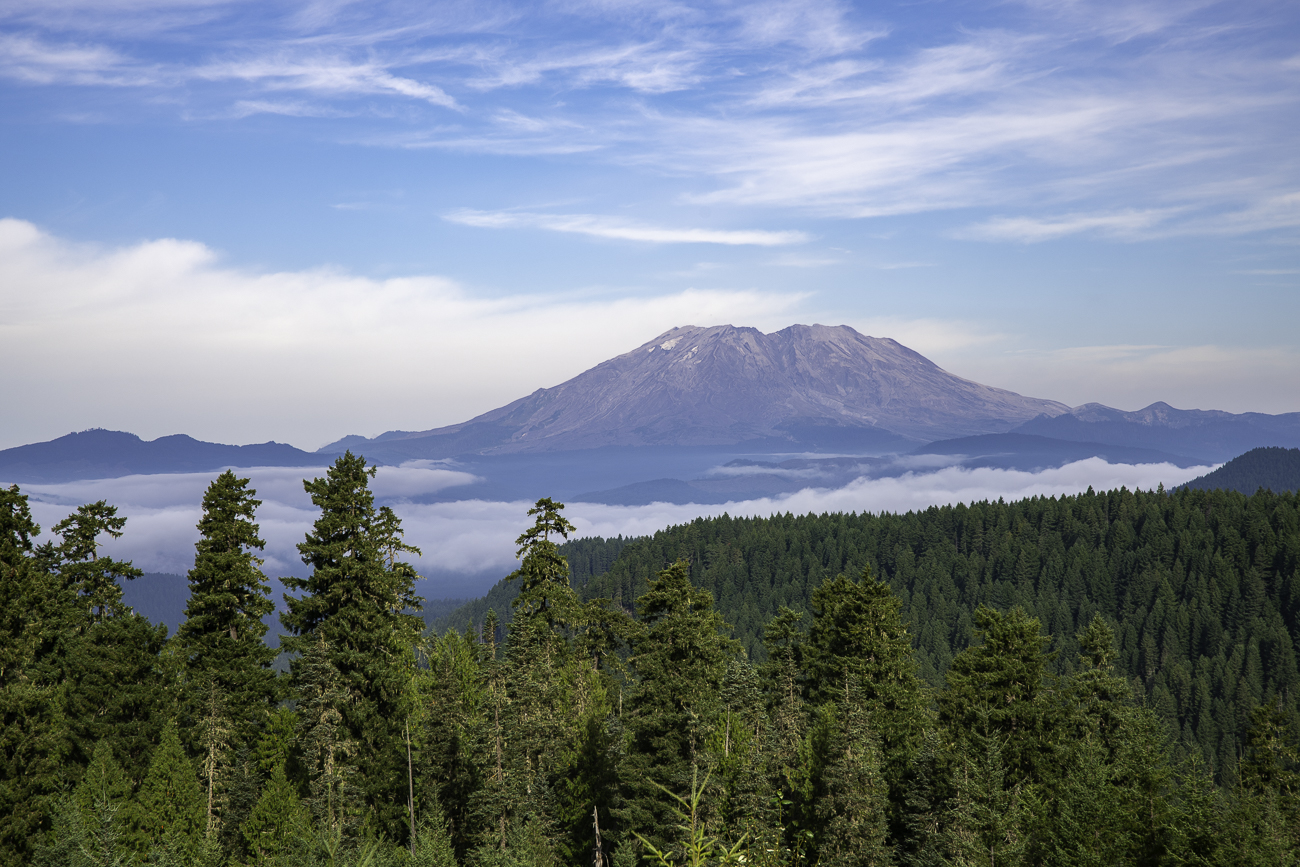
(727, 385)
(1207, 434)
(99, 453)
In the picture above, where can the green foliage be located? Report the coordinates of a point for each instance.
(33, 739)
(1272, 468)
(433, 846)
(358, 599)
(221, 639)
(681, 662)
(277, 829)
(77, 562)
(1171, 616)
(329, 752)
(170, 815)
(850, 794)
(858, 643)
(90, 828)
(697, 847)
(1201, 587)
(997, 690)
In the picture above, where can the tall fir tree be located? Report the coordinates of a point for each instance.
(681, 661)
(850, 820)
(329, 751)
(858, 635)
(91, 829)
(540, 673)
(33, 741)
(105, 658)
(361, 601)
(999, 688)
(221, 639)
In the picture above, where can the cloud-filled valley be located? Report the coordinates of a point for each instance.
(469, 544)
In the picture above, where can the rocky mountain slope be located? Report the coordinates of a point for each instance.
(806, 385)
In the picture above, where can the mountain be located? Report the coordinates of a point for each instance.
(806, 386)
(1274, 469)
(1209, 435)
(106, 454)
(1019, 451)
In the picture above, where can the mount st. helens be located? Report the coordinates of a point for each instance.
(806, 385)
(709, 415)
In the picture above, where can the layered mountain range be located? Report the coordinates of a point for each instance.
(722, 413)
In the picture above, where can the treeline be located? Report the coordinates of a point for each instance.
(605, 730)
(1202, 588)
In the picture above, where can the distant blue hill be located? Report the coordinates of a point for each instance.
(1209, 435)
(1274, 469)
(1018, 451)
(107, 454)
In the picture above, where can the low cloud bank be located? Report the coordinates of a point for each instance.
(468, 544)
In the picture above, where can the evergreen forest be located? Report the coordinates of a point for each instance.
(1270, 467)
(1107, 678)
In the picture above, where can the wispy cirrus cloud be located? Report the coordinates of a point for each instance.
(33, 60)
(1127, 224)
(624, 230)
(1058, 113)
(327, 75)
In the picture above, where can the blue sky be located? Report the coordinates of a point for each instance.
(297, 220)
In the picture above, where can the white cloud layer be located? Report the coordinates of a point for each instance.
(160, 338)
(476, 537)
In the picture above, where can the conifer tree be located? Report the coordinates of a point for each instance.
(77, 560)
(170, 804)
(277, 829)
(785, 748)
(33, 740)
(998, 687)
(858, 633)
(682, 662)
(543, 573)
(329, 752)
(858, 636)
(360, 600)
(104, 786)
(451, 737)
(91, 828)
(985, 823)
(221, 638)
(850, 791)
(104, 656)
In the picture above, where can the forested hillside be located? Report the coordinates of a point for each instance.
(1201, 587)
(627, 725)
(1272, 468)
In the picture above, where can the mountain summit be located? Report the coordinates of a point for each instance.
(724, 385)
